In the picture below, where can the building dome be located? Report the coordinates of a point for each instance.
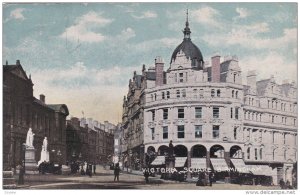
(190, 50)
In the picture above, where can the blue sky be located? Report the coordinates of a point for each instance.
(84, 54)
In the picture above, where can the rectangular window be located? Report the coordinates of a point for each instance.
(255, 152)
(216, 131)
(236, 113)
(163, 95)
(180, 131)
(235, 133)
(175, 77)
(201, 93)
(180, 112)
(152, 133)
(168, 94)
(198, 131)
(165, 113)
(216, 112)
(178, 93)
(153, 115)
(181, 77)
(165, 132)
(198, 112)
(183, 93)
(231, 113)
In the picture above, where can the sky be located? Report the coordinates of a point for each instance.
(83, 54)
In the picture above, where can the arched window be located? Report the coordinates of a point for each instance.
(151, 97)
(163, 95)
(234, 77)
(218, 93)
(155, 96)
(232, 93)
(183, 93)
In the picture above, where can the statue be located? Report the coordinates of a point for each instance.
(171, 149)
(45, 144)
(29, 138)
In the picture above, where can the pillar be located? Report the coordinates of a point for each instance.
(207, 159)
(188, 164)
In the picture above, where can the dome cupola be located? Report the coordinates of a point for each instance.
(190, 50)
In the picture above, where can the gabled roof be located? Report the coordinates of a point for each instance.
(59, 108)
(16, 70)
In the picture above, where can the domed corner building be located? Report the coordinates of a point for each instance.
(214, 120)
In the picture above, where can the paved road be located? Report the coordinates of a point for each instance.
(104, 179)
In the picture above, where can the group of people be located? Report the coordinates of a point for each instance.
(84, 168)
(49, 167)
(285, 185)
(206, 178)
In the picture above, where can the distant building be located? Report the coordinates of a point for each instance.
(21, 111)
(214, 120)
(88, 140)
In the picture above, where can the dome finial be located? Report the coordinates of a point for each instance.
(187, 30)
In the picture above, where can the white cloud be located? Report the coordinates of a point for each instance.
(16, 14)
(243, 12)
(126, 34)
(82, 30)
(206, 15)
(102, 92)
(273, 63)
(146, 14)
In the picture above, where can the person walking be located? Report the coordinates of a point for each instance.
(117, 172)
(211, 178)
(146, 175)
(94, 168)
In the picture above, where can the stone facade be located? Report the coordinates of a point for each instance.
(91, 141)
(21, 111)
(209, 113)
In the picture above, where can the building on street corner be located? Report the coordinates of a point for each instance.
(214, 119)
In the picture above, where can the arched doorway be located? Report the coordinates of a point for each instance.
(150, 150)
(163, 150)
(199, 151)
(236, 152)
(216, 151)
(150, 155)
(180, 151)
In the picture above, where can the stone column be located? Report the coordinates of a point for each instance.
(207, 159)
(188, 164)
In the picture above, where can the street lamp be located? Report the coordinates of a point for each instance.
(142, 156)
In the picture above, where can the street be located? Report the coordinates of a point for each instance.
(104, 179)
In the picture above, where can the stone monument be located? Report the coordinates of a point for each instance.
(30, 163)
(44, 152)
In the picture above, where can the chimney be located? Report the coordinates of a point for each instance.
(18, 62)
(42, 98)
(251, 80)
(215, 68)
(159, 69)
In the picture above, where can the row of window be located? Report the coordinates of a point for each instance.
(181, 132)
(258, 154)
(274, 104)
(180, 113)
(196, 93)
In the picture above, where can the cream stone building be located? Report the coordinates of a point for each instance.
(213, 119)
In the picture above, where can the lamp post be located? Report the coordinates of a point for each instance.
(130, 155)
(142, 156)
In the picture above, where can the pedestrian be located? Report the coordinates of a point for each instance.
(116, 172)
(146, 175)
(94, 167)
(21, 175)
(211, 178)
(282, 184)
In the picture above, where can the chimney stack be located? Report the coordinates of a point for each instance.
(215, 68)
(159, 69)
(18, 62)
(251, 80)
(42, 98)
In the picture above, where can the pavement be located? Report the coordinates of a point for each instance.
(104, 179)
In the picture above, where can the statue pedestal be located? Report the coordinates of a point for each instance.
(44, 156)
(170, 164)
(30, 163)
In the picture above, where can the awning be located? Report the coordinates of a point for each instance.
(239, 165)
(198, 163)
(219, 164)
(262, 170)
(159, 160)
(180, 161)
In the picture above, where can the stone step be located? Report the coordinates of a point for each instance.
(12, 186)
(8, 174)
(7, 181)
